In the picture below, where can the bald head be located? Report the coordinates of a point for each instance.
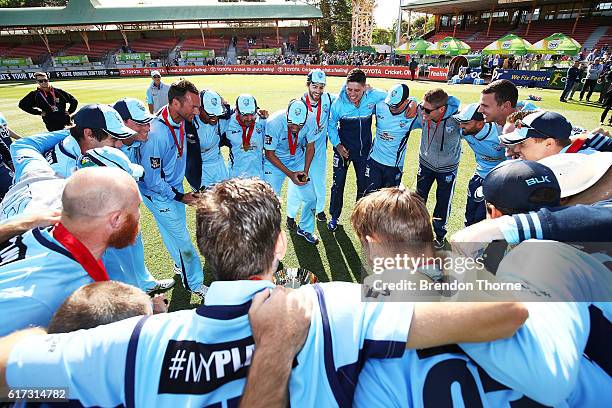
(96, 191)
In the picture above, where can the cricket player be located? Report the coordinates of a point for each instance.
(385, 164)
(289, 146)
(96, 125)
(350, 132)
(136, 117)
(483, 139)
(164, 158)
(157, 93)
(200, 357)
(41, 267)
(319, 107)
(205, 164)
(245, 134)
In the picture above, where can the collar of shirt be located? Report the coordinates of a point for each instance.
(234, 292)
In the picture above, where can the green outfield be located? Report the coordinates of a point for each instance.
(337, 257)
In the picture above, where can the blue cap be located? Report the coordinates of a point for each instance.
(317, 76)
(469, 112)
(110, 157)
(511, 185)
(211, 103)
(131, 108)
(397, 95)
(246, 104)
(297, 112)
(540, 124)
(102, 117)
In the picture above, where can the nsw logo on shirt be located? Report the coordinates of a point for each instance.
(155, 162)
(190, 367)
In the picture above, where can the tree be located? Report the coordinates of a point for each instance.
(382, 36)
(335, 26)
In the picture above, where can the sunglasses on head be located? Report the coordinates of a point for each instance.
(428, 111)
(42, 81)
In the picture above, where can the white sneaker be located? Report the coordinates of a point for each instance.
(201, 291)
(161, 286)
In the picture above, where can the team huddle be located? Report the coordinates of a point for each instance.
(72, 256)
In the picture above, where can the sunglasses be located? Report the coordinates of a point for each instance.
(42, 81)
(428, 111)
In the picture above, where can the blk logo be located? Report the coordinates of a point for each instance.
(537, 180)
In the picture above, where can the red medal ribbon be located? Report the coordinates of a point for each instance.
(43, 93)
(179, 147)
(318, 110)
(292, 142)
(576, 146)
(94, 267)
(246, 137)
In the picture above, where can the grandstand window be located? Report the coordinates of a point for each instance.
(604, 6)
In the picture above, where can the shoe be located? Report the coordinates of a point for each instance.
(439, 243)
(321, 217)
(291, 224)
(177, 270)
(332, 225)
(562, 100)
(310, 238)
(201, 291)
(161, 286)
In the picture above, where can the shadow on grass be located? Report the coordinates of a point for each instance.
(308, 256)
(343, 259)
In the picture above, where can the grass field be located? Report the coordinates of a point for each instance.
(337, 257)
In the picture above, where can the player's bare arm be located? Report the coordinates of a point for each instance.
(310, 151)
(20, 225)
(436, 324)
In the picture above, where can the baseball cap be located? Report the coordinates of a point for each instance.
(155, 73)
(317, 76)
(540, 124)
(110, 157)
(211, 103)
(469, 112)
(297, 112)
(98, 116)
(397, 95)
(513, 183)
(131, 108)
(577, 172)
(246, 104)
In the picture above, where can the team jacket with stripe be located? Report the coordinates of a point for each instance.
(440, 148)
(200, 358)
(36, 275)
(352, 125)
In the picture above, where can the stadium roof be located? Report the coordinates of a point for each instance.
(453, 6)
(92, 12)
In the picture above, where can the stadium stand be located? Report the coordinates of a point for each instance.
(98, 49)
(156, 46)
(605, 40)
(216, 43)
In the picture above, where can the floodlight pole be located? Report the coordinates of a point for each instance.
(490, 20)
(533, 7)
(398, 29)
(577, 17)
(456, 21)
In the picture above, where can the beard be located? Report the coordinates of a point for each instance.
(126, 235)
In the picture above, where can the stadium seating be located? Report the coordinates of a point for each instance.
(219, 44)
(34, 51)
(542, 29)
(606, 39)
(98, 48)
(155, 46)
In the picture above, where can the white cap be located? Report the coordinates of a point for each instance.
(211, 103)
(577, 172)
(155, 73)
(110, 157)
(131, 108)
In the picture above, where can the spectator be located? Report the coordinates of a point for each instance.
(50, 103)
(593, 71)
(573, 75)
(157, 93)
(414, 66)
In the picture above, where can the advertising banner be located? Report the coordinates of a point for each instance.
(538, 79)
(71, 59)
(438, 74)
(262, 52)
(134, 56)
(15, 62)
(197, 54)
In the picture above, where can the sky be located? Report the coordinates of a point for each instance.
(385, 12)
